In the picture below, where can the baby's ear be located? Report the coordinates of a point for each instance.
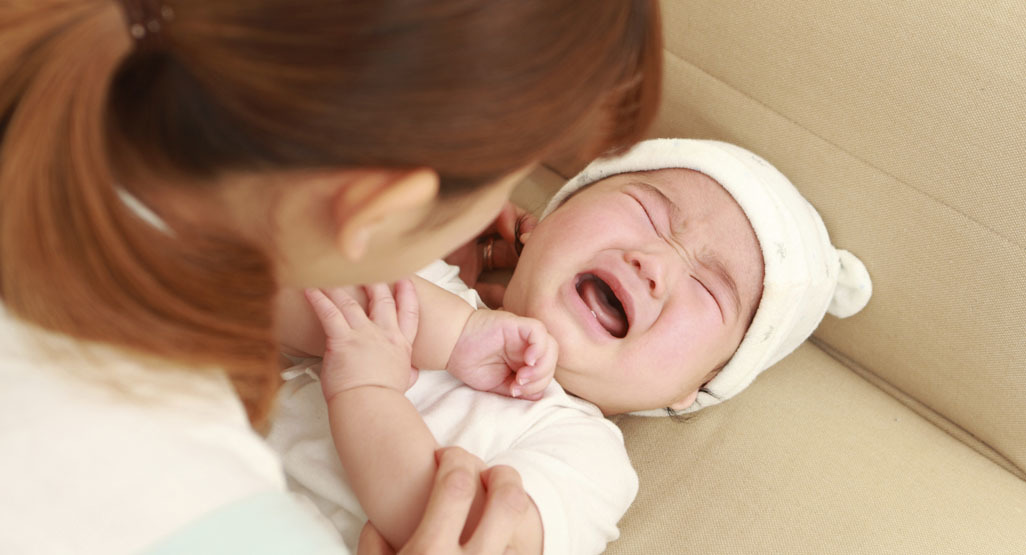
(685, 402)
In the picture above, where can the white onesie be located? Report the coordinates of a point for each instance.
(572, 460)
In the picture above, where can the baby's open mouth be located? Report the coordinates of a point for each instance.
(602, 302)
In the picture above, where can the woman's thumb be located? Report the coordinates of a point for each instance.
(371, 542)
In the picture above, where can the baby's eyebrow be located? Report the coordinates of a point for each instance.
(708, 260)
(671, 207)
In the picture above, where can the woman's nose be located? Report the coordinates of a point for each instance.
(650, 269)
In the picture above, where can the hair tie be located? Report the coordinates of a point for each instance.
(146, 20)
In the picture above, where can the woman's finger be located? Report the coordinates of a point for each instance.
(514, 223)
(446, 512)
(407, 306)
(468, 259)
(327, 312)
(506, 505)
(372, 543)
(491, 293)
(498, 254)
(381, 305)
(506, 222)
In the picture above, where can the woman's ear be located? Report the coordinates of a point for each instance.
(370, 199)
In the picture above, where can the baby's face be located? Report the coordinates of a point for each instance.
(648, 281)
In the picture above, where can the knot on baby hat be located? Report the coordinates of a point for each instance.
(805, 276)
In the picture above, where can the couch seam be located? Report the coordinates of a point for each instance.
(923, 409)
(917, 406)
(850, 154)
(909, 401)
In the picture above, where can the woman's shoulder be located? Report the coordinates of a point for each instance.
(88, 427)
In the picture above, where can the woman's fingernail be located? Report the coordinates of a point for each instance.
(515, 391)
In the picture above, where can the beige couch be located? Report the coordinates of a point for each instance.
(902, 429)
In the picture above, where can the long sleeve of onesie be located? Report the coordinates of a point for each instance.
(572, 460)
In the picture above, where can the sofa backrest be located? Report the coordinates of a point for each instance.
(912, 145)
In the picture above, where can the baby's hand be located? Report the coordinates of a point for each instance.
(367, 348)
(504, 353)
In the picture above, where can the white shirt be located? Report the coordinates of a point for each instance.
(108, 453)
(572, 460)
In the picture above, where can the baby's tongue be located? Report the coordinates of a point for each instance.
(597, 300)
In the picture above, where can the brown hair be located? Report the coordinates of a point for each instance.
(473, 89)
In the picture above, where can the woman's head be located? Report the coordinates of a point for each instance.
(432, 101)
(256, 130)
(677, 272)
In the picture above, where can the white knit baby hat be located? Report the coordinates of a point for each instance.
(805, 276)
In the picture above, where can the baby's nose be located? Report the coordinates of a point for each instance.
(649, 269)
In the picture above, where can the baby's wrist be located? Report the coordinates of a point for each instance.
(451, 362)
(334, 388)
(357, 389)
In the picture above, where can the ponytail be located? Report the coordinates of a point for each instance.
(73, 258)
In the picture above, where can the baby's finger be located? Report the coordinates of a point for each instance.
(533, 397)
(533, 353)
(327, 312)
(347, 305)
(531, 385)
(509, 386)
(381, 305)
(525, 375)
(408, 308)
(540, 375)
(546, 363)
(536, 337)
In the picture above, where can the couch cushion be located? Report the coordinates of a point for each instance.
(904, 123)
(814, 459)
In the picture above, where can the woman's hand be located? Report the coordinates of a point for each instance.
(372, 348)
(445, 517)
(496, 248)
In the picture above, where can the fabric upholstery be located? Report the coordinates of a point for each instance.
(901, 429)
(867, 107)
(812, 458)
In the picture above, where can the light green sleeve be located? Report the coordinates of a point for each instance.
(263, 524)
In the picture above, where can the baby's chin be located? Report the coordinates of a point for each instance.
(576, 385)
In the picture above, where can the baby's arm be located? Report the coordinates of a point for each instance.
(489, 350)
(482, 348)
(442, 317)
(385, 448)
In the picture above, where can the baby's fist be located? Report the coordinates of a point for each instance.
(504, 353)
